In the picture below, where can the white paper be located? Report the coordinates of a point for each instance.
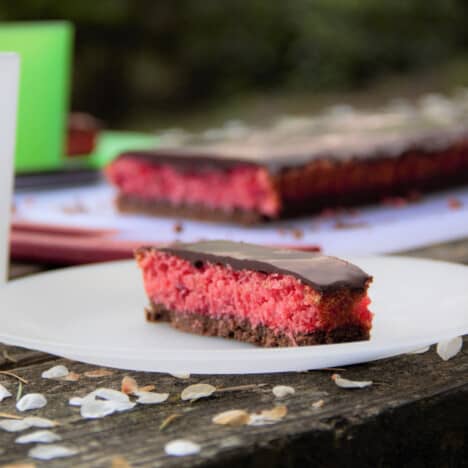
(375, 229)
(95, 314)
(9, 77)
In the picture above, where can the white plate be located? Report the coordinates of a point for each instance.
(95, 314)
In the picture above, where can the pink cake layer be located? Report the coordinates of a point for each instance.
(277, 301)
(242, 187)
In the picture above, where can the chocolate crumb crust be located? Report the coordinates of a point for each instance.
(131, 204)
(324, 274)
(230, 327)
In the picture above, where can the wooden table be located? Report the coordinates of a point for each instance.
(415, 414)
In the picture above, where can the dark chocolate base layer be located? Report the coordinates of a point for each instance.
(243, 331)
(291, 209)
(129, 204)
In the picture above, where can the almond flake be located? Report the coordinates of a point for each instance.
(56, 372)
(18, 425)
(447, 349)
(318, 404)
(129, 385)
(181, 448)
(197, 391)
(4, 393)
(75, 401)
(49, 452)
(268, 416)
(14, 425)
(109, 394)
(102, 402)
(93, 374)
(42, 423)
(181, 375)
(151, 398)
(232, 418)
(31, 401)
(41, 437)
(95, 409)
(282, 391)
(346, 383)
(72, 377)
(121, 406)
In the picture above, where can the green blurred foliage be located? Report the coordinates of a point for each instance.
(143, 54)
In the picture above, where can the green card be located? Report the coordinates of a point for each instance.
(45, 56)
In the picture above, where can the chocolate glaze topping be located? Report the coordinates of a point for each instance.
(189, 159)
(340, 137)
(321, 272)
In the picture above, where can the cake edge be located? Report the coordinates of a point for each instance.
(230, 327)
(130, 204)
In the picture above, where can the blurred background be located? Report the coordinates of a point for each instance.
(143, 64)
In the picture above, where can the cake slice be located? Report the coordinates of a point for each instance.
(256, 294)
(296, 168)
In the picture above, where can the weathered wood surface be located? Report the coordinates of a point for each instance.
(416, 414)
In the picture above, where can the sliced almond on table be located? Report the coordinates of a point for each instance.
(110, 394)
(129, 385)
(49, 452)
(102, 402)
(17, 425)
(232, 418)
(318, 404)
(197, 391)
(20, 424)
(95, 409)
(151, 398)
(41, 437)
(14, 425)
(72, 377)
(181, 375)
(43, 423)
(76, 401)
(56, 372)
(181, 448)
(350, 384)
(96, 373)
(31, 401)
(4, 393)
(282, 391)
(267, 417)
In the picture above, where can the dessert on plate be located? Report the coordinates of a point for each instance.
(261, 295)
(298, 166)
